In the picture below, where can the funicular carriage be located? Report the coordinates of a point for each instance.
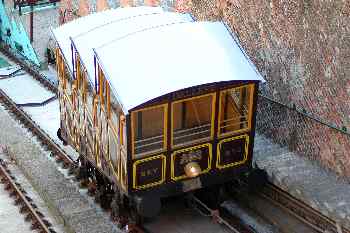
(155, 103)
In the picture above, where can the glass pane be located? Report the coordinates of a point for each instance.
(148, 131)
(192, 120)
(235, 106)
(114, 151)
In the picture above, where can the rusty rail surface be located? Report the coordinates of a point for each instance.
(225, 219)
(301, 210)
(26, 206)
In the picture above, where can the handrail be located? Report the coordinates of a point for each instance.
(192, 134)
(180, 131)
(148, 144)
(149, 139)
(238, 123)
(307, 115)
(234, 119)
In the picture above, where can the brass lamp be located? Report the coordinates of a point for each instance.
(192, 169)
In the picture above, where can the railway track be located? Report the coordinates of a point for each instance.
(231, 223)
(302, 211)
(191, 214)
(297, 208)
(27, 207)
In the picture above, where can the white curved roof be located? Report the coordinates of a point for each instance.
(146, 52)
(85, 42)
(161, 60)
(82, 25)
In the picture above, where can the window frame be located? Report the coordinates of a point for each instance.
(104, 93)
(251, 87)
(61, 68)
(212, 121)
(165, 131)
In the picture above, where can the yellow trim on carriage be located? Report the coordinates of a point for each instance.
(173, 157)
(246, 146)
(162, 180)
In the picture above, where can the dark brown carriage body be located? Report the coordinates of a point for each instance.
(221, 157)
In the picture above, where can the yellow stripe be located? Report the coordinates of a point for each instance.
(163, 158)
(173, 157)
(235, 163)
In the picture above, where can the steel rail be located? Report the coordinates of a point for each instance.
(300, 210)
(220, 219)
(305, 114)
(38, 222)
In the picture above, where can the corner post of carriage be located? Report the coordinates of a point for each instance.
(155, 103)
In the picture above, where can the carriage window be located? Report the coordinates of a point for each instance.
(122, 129)
(148, 133)
(235, 109)
(192, 120)
(61, 69)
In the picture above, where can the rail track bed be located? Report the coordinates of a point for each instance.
(22, 210)
(283, 211)
(189, 215)
(317, 221)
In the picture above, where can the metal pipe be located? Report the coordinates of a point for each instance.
(307, 115)
(31, 22)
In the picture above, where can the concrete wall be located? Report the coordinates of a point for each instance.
(19, 24)
(303, 50)
(43, 20)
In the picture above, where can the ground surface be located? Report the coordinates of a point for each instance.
(11, 221)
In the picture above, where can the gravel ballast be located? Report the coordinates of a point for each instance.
(64, 198)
